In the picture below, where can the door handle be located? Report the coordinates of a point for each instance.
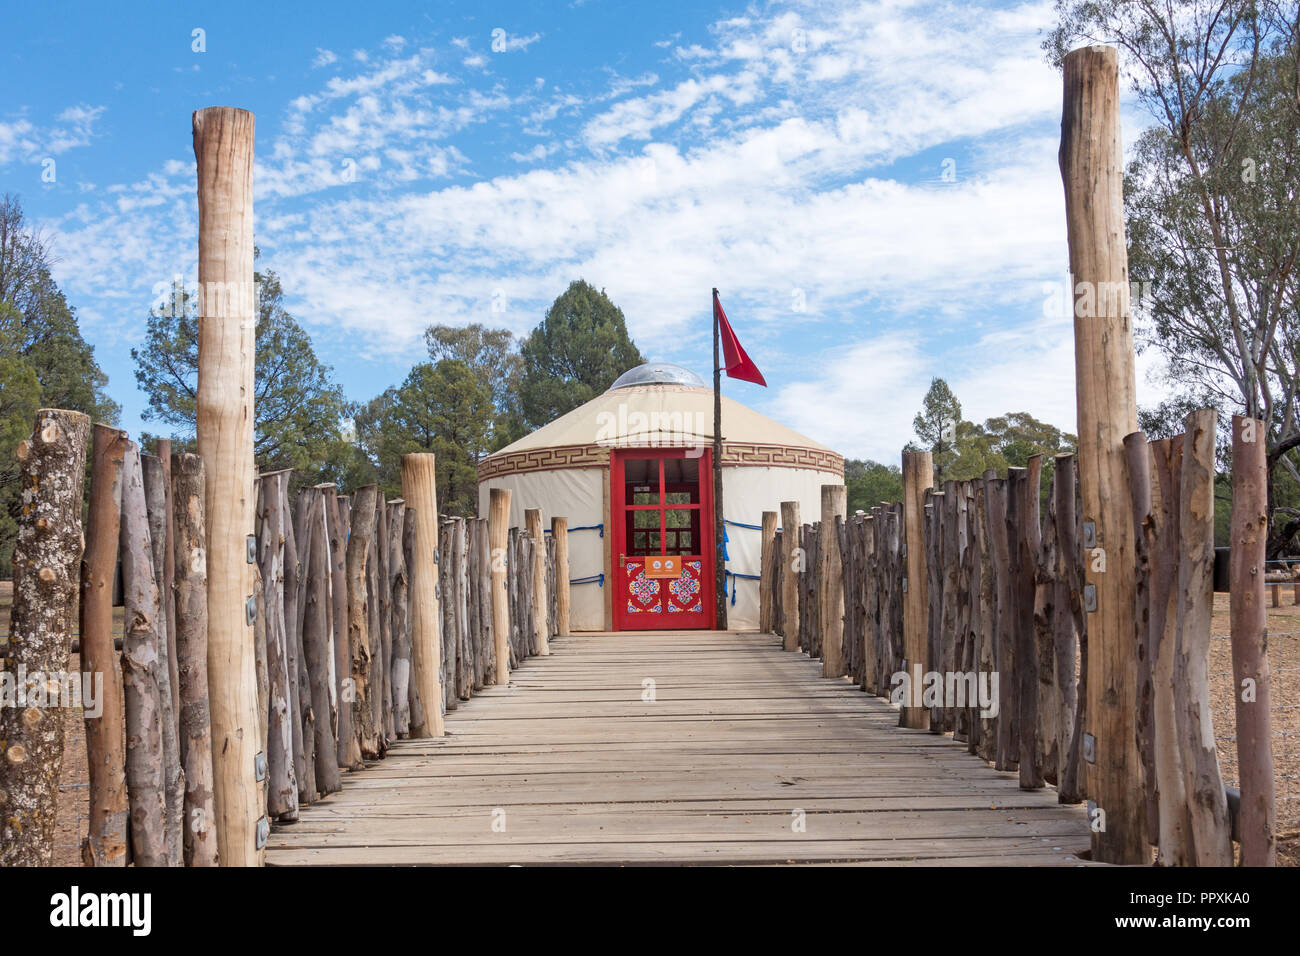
(622, 560)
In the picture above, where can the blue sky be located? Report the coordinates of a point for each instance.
(872, 186)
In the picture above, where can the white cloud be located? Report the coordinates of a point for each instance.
(324, 57)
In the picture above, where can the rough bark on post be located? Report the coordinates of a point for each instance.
(997, 494)
(1066, 627)
(834, 505)
(791, 562)
(499, 540)
(143, 674)
(1046, 614)
(1137, 454)
(765, 624)
(1091, 160)
(918, 476)
(295, 580)
(401, 534)
(383, 580)
(1206, 800)
(281, 778)
(533, 523)
(163, 449)
(342, 655)
(191, 587)
(106, 835)
(870, 681)
(361, 530)
(52, 466)
(986, 656)
(1257, 823)
(375, 748)
(419, 490)
(155, 493)
(316, 605)
(1163, 551)
(223, 149)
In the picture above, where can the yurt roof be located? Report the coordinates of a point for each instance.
(665, 405)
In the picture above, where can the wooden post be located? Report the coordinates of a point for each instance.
(167, 572)
(1092, 166)
(339, 627)
(398, 535)
(1025, 494)
(560, 532)
(1257, 825)
(105, 755)
(362, 529)
(533, 522)
(191, 586)
(1163, 552)
(792, 560)
(223, 149)
(834, 505)
(1067, 623)
(1138, 456)
(281, 783)
(765, 624)
(143, 674)
(997, 496)
(986, 655)
(52, 465)
(918, 476)
(1206, 800)
(420, 491)
(499, 539)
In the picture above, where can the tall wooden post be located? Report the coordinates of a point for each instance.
(560, 533)
(163, 449)
(105, 735)
(1091, 159)
(834, 505)
(1250, 673)
(223, 148)
(918, 477)
(420, 492)
(499, 540)
(765, 603)
(533, 524)
(791, 560)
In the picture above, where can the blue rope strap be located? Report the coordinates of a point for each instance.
(598, 579)
(740, 524)
(585, 527)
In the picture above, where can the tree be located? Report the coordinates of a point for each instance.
(935, 424)
(44, 360)
(1211, 209)
(493, 355)
(299, 409)
(442, 408)
(869, 483)
(574, 354)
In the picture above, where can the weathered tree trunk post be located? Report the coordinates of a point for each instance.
(46, 558)
(791, 563)
(560, 532)
(1137, 451)
(533, 523)
(419, 490)
(342, 655)
(765, 602)
(316, 635)
(143, 674)
(1024, 503)
(105, 757)
(834, 505)
(156, 495)
(361, 530)
(1092, 166)
(282, 779)
(918, 476)
(398, 535)
(191, 586)
(1257, 826)
(163, 449)
(1069, 610)
(223, 148)
(499, 539)
(1206, 800)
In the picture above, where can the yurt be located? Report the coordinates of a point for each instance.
(632, 471)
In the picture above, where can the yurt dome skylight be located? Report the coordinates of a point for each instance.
(658, 373)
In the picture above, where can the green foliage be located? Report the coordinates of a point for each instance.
(574, 354)
(445, 409)
(493, 356)
(299, 409)
(869, 483)
(935, 424)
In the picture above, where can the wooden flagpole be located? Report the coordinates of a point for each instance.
(719, 563)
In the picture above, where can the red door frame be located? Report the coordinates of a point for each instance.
(623, 619)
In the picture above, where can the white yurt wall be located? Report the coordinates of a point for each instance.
(746, 493)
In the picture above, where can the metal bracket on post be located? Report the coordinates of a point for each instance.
(1090, 534)
(263, 832)
(250, 549)
(1090, 597)
(904, 585)
(259, 766)
(1089, 748)
(250, 609)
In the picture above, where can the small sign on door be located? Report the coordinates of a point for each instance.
(663, 566)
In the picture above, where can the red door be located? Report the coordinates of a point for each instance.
(661, 503)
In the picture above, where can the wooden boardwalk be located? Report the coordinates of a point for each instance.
(569, 765)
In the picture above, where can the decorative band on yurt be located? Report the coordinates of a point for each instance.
(734, 455)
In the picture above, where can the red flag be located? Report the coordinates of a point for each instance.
(735, 360)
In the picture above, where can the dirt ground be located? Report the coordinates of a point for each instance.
(1284, 660)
